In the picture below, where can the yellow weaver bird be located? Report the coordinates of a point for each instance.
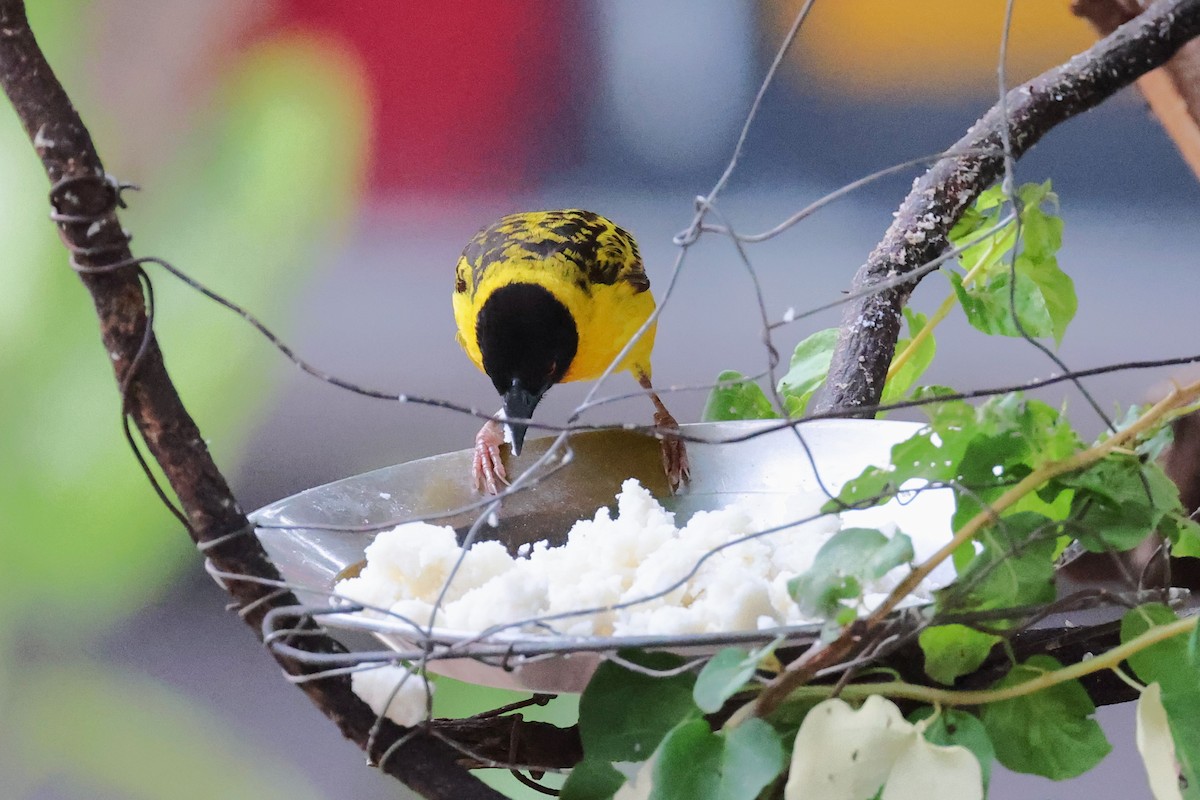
(543, 297)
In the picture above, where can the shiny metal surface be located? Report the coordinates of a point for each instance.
(735, 460)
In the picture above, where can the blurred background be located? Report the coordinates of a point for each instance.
(323, 164)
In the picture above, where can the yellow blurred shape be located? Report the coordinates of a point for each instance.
(930, 48)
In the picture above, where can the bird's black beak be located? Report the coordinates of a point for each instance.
(519, 403)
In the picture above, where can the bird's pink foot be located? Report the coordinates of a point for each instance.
(674, 451)
(486, 468)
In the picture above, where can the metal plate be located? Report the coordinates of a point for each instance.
(723, 470)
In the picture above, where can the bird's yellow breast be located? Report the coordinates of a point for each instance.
(585, 261)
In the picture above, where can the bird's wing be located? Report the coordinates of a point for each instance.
(605, 251)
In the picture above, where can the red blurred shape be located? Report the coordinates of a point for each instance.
(467, 95)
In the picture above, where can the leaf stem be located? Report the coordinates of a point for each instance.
(978, 697)
(911, 349)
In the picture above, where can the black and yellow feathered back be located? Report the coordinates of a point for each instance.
(585, 261)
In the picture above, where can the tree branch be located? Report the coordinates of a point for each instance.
(85, 202)
(871, 325)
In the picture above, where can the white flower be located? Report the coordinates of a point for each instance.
(846, 754)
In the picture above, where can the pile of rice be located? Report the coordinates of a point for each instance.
(609, 561)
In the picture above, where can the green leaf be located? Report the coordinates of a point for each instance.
(908, 374)
(1010, 563)
(1015, 567)
(686, 765)
(985, 448)
(809, 368)
(1121, 478)
(953, 727)
(1164, 494)
(1057, 291)
(1171, 664)
(592, 779)
(983, 214)
(1041, 237)
(624, 714)
(1043, 297)
(1182, 712)
(989, 307)
(753, 757)
(1150, 445)
(850, 558)
(1119, 501)
(725, 675)
(1007, 437)
(1166, 662)
(693, 762)
(1183, 533)
(1049, 732)
(1041, 233)
(953, 650)
(736, 398)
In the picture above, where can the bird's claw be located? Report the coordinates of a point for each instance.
(674, 451)
(487, 470)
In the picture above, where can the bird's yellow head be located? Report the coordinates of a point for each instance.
(547, 296)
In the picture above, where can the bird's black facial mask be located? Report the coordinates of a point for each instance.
(528, 340)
